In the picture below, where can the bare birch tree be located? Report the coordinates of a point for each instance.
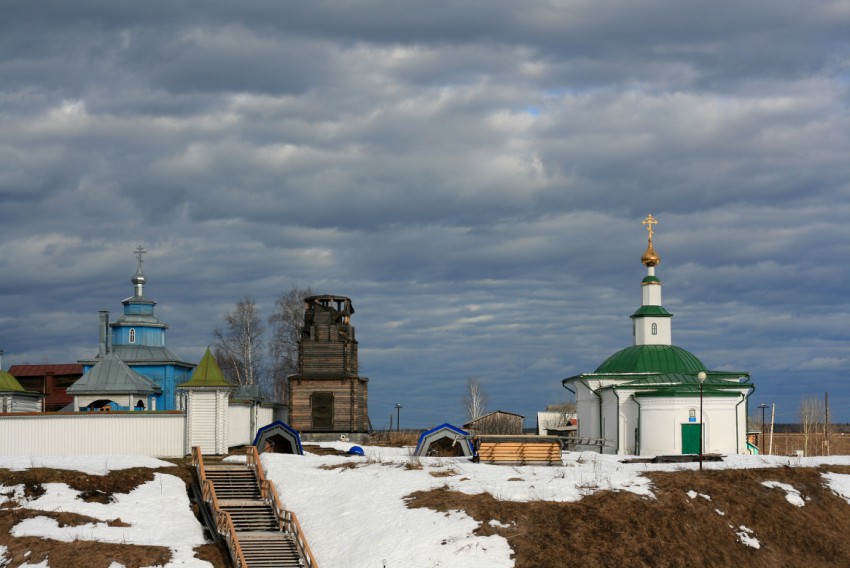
(286, 323)
(475, 399)
(238, 347)
(810, 414)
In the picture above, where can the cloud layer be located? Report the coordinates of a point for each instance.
(473, 175)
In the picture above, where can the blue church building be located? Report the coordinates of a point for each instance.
(134, 369)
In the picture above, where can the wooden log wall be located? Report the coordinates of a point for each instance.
(327, 359)
(350, 403)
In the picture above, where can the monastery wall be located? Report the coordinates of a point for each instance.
(137, 433)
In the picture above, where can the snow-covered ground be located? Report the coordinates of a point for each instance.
(356, 516)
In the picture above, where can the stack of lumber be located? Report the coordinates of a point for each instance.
(519, 450)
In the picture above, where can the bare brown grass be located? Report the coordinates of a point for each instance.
(344, 465)
(89, 554)
(603, 529)
(394, 439)
(624, 529)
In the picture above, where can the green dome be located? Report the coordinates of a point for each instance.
(8, 383)
(652, 359)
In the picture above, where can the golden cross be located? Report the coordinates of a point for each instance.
(649, 222)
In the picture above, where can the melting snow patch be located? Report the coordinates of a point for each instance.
(721, 513)
(498, 524)
(745, 535)
(3, 560)
(693, 495)
(791, 495)
(12, 492)
(839, 483)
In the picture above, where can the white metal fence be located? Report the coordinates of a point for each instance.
(142, 433)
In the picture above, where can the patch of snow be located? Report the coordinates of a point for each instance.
(3, 560)
(498, 524)
(745, 534)
(791, 494)
(721, 513)
(11, 492)
(142, 509)
(357, 517)
(93, 465)
(693, 495)
(839, 483)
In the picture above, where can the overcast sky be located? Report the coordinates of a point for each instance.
(473, 175)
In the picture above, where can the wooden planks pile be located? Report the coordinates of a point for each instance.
(519, 450)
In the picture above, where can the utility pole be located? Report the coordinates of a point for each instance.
(826, 422)
(762, 441)
(772, 418)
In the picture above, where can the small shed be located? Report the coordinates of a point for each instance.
(278, 438)
(444, 440)
(498, 422)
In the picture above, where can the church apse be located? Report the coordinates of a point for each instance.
(327, 394)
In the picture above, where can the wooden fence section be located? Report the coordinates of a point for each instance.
(519, 450)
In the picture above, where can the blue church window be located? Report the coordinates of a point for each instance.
(133, 335)
(655, 329)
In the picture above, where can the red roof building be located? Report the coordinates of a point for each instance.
(49, 380)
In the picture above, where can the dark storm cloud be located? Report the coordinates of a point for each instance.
(472, 174)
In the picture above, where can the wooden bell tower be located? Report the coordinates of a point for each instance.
(327, 394)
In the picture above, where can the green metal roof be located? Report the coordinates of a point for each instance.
(8, 383)
(651, 280)
(656, 311)
(207, 374)
(652, 359)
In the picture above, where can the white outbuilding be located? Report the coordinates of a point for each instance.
(655, 398)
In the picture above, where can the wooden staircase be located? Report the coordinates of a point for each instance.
(250, 516)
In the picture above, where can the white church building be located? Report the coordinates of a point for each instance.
(655, 398)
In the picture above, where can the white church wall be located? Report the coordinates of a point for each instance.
(661, 422)
(628, 423)
(610, 422)
(587, 408)
(158, 435)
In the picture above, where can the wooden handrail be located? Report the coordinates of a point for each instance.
(223, 520)
(286, 519)
(300, 541)
(198, 463)
(252, 458)
(224, 525)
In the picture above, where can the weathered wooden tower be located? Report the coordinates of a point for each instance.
(327, 394)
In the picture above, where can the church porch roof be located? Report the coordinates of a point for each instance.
(110, 375)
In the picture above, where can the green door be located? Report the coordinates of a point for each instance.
(690, 438)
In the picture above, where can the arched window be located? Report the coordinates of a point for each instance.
(132, 335)
(655, 329)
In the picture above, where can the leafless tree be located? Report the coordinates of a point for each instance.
(475, 399)
(286, 323)
(238, 345)
(565, 410)
(811, 416)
